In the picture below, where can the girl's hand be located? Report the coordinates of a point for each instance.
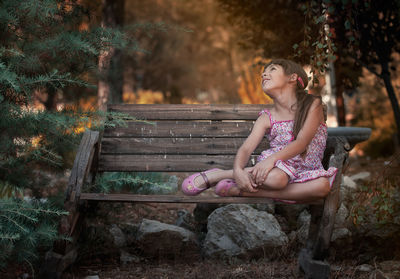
(244, 181)
(261, 170)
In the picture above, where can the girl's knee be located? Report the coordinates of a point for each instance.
(277, 179)
(325, 187)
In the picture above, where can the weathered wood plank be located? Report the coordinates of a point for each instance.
(186, 112)
(167, 163)
(176, 199)
(182, 129)
(81, 163)
(215, 146)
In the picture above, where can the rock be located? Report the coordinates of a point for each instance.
(348, 182)
(130, 231)
(364, 175)
(340, 233)
(347, 189)
(304, 219)
(341, 216)
(365, 268)
(92, 277)
(303, 225)
(378, 274)
(156, 238)
(268, 207)
(388, 266)
(240, 230)
(292, 236)
(185, 220)
(127, 258)
(118, 235)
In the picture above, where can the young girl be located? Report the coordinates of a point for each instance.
(290, 170)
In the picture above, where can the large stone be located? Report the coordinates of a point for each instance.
(240, 230)
(156, 239)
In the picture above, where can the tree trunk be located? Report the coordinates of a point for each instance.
(341, 112)
(110, 61)
(392, 96)
(51, 102)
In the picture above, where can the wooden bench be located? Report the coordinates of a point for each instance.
(186, 138)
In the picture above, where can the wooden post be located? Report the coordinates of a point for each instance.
(64, 253)
(311, 258)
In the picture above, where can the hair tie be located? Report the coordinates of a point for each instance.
(301, 80)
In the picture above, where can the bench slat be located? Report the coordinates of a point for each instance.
(215, 146)
(167, 163)
(176, 199)
(192, 112)
(181, 128)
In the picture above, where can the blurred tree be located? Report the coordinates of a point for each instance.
(110, 60)
(198, 58)
(368, 33)
(269, 27)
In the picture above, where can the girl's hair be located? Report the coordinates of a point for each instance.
(304, 100)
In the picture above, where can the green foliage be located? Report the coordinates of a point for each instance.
(25, 226)
(136, 182)
(43, 52)
(378, 201)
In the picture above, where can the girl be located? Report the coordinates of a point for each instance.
(290, 170)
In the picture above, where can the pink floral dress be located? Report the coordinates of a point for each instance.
(298, 169)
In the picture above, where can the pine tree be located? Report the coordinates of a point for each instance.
(42, 50)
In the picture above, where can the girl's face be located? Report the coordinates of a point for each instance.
(273, 78)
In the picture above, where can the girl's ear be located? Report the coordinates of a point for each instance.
(293, 77)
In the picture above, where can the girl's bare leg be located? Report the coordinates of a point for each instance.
(214, 177)
(306, 191)
(275, 186)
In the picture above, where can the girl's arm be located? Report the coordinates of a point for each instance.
(298, 146)
(242, 178)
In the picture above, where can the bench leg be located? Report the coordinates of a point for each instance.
(313, 269)
(64, 253)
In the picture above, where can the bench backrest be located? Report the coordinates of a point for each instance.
(183, 138)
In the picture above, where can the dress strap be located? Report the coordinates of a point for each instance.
(271, 119)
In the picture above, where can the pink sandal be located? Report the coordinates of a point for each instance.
(224, 186)
(188, 187)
